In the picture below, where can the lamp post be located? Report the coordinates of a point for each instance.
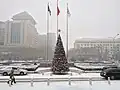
(114, 48)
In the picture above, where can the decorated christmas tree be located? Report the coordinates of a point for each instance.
(60, 63)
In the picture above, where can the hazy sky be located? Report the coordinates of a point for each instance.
(89, 18)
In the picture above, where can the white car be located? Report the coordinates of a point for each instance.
(29, 67)
(17, 71)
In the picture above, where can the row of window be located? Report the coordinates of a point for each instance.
(2, 29)
(103, 48)
(93, 45)
(99, 44)
(109, 52)
(78, 46)
(100, 48)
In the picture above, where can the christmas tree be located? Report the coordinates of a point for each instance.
(59, 64)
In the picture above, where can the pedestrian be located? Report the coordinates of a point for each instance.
(12, 78)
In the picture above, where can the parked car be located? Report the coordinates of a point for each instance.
(111, 66)
(17, 71)
(29, 67)
(113, 73)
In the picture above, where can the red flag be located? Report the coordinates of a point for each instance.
(58, 11)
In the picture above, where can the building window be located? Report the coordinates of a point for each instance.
(1, 43)
(118, 44)
(91, 44)
(15, 32)
(78, 46)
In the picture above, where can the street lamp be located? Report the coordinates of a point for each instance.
(115, 36)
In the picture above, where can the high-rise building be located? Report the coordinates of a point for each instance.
(19, 37)
(2, 33)
(21, 31)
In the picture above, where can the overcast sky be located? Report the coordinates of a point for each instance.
(89, 18)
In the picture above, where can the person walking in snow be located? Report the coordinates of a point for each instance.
(12, 78)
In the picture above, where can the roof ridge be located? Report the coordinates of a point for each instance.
(23, 16)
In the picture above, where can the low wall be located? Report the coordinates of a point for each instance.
(50, 64)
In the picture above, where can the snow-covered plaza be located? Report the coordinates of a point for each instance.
(75, 85)
(47, 81)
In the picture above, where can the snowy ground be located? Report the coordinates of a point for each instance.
(55, 78)
(88, 66)
(45, 73)
(81, 85)
(94, 66)
(66, 84)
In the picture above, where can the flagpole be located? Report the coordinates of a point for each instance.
(67, 32)
(47, 32)
(57, 18)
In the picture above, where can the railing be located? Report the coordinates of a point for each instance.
(32, 80)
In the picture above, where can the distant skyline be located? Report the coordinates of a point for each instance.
(89, 18)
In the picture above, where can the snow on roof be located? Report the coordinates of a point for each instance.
(23, 16)
(96, 40)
